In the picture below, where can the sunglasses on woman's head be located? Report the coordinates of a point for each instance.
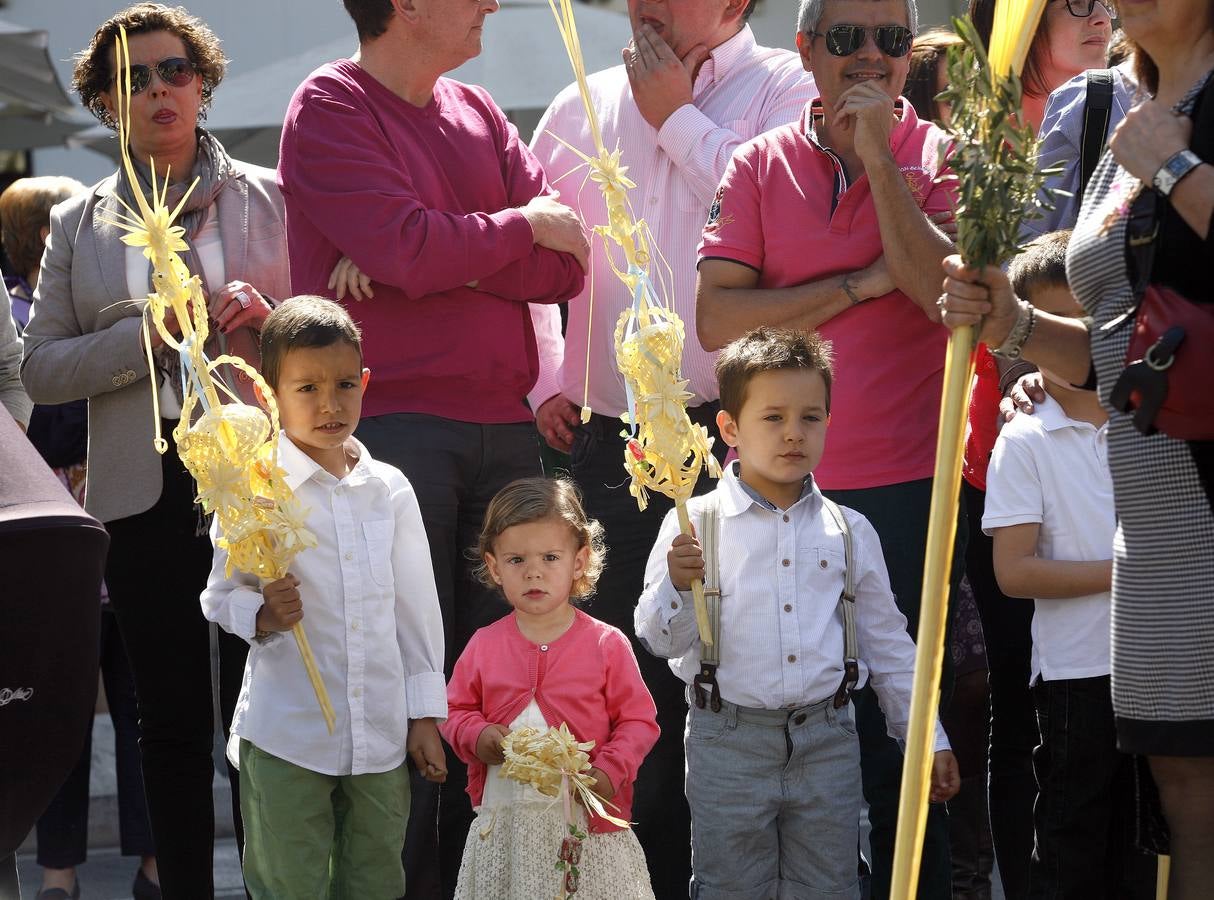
(844, 40)
(175, 71)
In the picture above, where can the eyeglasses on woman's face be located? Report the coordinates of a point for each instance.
(176, 71)
(1081, 9)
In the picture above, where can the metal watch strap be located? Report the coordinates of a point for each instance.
(1174, 170)
(847, 609)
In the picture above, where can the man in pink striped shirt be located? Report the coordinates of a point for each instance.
(694, 86)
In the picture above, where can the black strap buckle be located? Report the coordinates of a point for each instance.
(1142, 387)
(707, 676)
(851, 677)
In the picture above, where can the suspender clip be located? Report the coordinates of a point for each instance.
(707, 676)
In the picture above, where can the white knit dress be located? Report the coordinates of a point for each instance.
(513, 846)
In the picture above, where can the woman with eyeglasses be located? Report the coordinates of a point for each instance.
(83, 341)
(1072, 36)
(1146, 220)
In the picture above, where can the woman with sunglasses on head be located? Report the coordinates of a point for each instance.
(83, 341)
(1145, 222)
(1072, 36)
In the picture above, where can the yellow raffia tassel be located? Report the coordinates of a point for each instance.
(232, 449)
(1015, 23)
(665, 451)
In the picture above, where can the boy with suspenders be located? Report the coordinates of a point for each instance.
(801, 612)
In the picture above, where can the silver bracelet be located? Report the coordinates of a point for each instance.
(1022, 328)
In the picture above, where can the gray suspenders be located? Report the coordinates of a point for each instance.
(704, 686)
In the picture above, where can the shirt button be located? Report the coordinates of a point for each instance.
(673, 605)
(354, 625)
(822, 563)
(788, 607)
(792, 657)
(664, 631)
(337, 490)
(544, 647)
(785, 563)
(349, 556)
(358, 692)
(785, 517)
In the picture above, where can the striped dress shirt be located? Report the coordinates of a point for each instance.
(781, 574)
(741, 90)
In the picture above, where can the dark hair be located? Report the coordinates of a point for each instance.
(750, 8)
(1121, 48)
(927, 54)
(768, 349)
(370, 17)
(982, 14)
(25, 209)
(1042, 263)
(533, 500)
(304, 321)
(94, 70)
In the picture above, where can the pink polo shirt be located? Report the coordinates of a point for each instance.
(786, 209)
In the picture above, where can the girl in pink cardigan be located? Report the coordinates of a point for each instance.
(545, 664)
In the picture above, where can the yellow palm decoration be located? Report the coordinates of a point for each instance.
(982, 239)
(665, 450)
(232, 449)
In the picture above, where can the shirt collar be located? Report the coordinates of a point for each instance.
(904, 126)
(300, 467)
(1053, 417)
(723, 57)
(737, 496)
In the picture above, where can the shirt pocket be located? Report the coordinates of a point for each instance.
(378, 536)
(826, 572)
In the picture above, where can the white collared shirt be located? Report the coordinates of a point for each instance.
(371, 615)
(741, 90)
(781, 630)
(1052, 470)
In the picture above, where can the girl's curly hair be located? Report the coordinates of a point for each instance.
(94, 70)
(532, 500)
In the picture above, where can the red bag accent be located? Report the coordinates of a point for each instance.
(1170, 365)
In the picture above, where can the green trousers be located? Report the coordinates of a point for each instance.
(310, 836)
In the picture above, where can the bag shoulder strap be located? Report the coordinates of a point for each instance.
(847, 608)
(1097, 111)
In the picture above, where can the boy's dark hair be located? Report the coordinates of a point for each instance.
(304, 321)
(768, 350)
(370, 17)
(1042, 263)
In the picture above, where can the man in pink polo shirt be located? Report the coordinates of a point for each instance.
(827, 224)
(423, 183)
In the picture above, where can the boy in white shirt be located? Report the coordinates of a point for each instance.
(1049, 511)
(773, 763)
(325, 814)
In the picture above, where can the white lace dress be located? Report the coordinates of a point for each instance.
(515, 840)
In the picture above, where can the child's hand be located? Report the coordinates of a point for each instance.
(602, 784)
(946, 777)
(685, 561)
(489, 744)
(282, 606)
(425, 748)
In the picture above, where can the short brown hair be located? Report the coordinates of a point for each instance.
(25, 209)
(370, 17)
(927, 54)
(1032, 76)
(304, 321)
(1042, 263)
(533, 500)
(94, 70)
(769, 350)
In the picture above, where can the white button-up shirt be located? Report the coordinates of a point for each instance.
(781, 575)
(741, 90)
(371, 614)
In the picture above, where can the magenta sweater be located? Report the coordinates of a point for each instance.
(586, 678)
(424, 201)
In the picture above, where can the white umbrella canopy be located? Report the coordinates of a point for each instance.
(35, 111)
(522, 64)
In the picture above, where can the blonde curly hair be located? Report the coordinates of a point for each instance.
(533, 500)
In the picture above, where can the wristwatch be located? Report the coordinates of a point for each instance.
(1176, 167)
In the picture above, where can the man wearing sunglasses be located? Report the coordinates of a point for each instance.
(827, 224)
(693, 87)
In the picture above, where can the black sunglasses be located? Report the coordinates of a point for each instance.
(844, 40)
(175, 71)
(1081, 9)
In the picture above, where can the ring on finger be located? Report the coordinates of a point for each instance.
(243, 299)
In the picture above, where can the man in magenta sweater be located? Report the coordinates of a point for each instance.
(423, 183)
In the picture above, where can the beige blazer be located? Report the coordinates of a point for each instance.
(83, 341)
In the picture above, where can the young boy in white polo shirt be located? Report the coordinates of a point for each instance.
(1049, 511)
(773, 762)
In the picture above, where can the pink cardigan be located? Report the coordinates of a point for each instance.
(587, 678)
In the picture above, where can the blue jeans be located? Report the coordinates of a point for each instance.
(775, 802)
(1083, 819)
